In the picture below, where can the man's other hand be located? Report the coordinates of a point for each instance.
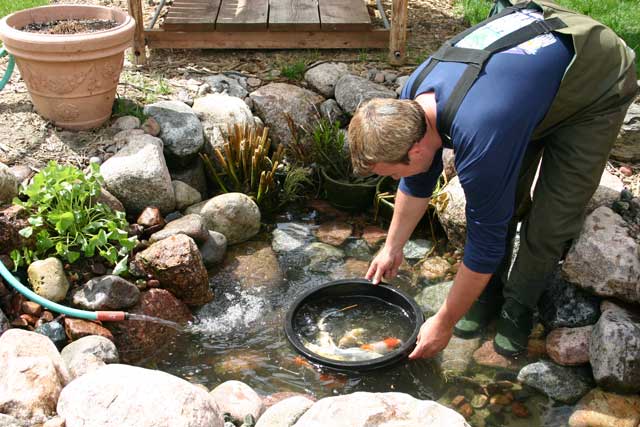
(433, 338)
(385, 265)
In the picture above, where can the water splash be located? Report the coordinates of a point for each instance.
(144, 318)
(232, 313)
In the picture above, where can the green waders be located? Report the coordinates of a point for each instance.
(574, 141)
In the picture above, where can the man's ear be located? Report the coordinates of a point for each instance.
(418, 148)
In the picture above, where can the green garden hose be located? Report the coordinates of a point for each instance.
(59, 308)
(10, 65)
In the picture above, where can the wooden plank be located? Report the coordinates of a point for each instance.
(242, 15)
(344, 15)
(294, 15)
(192, 15)
(139, 48)
(398, 37)
(374, 39)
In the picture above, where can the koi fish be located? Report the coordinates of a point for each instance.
(352, 338)
(384, 346)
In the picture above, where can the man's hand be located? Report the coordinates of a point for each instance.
(385, 264)
(433, 337)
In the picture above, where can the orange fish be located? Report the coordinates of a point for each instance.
(384, 346)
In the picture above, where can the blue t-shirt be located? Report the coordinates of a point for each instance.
(492, 129)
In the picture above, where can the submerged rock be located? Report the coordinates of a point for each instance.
(323, 256)
(416, 249)
(334, 233)
(251, 264)
(431, 298)
(128, 396)
(290, 236)
(560, 383)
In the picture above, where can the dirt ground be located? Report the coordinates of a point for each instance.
(25, 138)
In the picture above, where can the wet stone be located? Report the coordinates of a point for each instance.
(434, 269)
(334, 233)
(458, 355)
(487, 356)
(55, 332)
(322, 256)
(520, 410)
(358, 249)
(78, 328)
(374, 236)
(479, 401)
(431, 298)
(560, 383)
(290, 236)
(564, 305)
(213, 249)
(416, 249)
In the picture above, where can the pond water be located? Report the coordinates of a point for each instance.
(240, 336)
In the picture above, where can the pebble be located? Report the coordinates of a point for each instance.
(466, 411)
(32, 308)
(626, 171)
(501, 399)
(96, 160)
(520, 410)
(479, 401)
(458, 400)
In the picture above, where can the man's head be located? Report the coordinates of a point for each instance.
(383, 131)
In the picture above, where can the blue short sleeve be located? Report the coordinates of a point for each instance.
(423, 184)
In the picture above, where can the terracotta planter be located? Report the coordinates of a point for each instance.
(72, 79)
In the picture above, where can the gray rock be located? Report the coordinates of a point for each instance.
(453, 216)
(431, 298)
(106, 293)
(237, 399)
(181, 130)
(560, 383)
(330, 110)
(4, 322)
(110, 200)
(323, 77)
(228, 85)
(379, 410)
(192, 225)
(124, 136)
(608, 191)
(457, 356)
(416, 249)
(183, 96)
(285, 413)
(275, 101)
(22, 173)
(358, 249)
(80, 366)
(54, 331)
(126, 123)
(128, 396)
(351, 91)
(565, 305)
(48, 279)
(193, 175)
(627, 146)
(185, 195)
(322, 256)
(233, 214)
(617, 271)
(400, 82)
(614, 350)
(290, 236)
(32, 374)
(8, 184)
(213, 249)
(138, 176)
(9, 421)
(217, 112)
(94, 345)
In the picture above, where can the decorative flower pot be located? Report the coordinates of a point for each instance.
(72, 79)
(354, 197)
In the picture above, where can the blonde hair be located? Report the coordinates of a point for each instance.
(383, 130)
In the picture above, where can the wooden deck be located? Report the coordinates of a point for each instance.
(270, 24)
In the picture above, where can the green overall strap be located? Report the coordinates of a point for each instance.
(475, 60)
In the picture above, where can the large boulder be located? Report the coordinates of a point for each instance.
(138, 176)
(235, 215)
(32, 374)
(219, 111)
(8, 184)
(352, 90)
(627, 146)
(378, 410)
(180, 129)
(614, 350)
(137, 340)
(128, 396)
(617, 271)
(324, 77)
(177, 264)
(453, 216)
(275, 101)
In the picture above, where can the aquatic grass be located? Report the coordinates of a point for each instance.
(622, 16)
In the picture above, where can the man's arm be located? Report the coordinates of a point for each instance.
(436, 332)
(408, 211)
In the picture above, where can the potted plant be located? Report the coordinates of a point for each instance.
(70, 57)
(329, 151)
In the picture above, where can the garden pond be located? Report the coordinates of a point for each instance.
(240, 336)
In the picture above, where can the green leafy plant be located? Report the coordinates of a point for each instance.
(126, 107)
(293, 71)
(66, 221)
